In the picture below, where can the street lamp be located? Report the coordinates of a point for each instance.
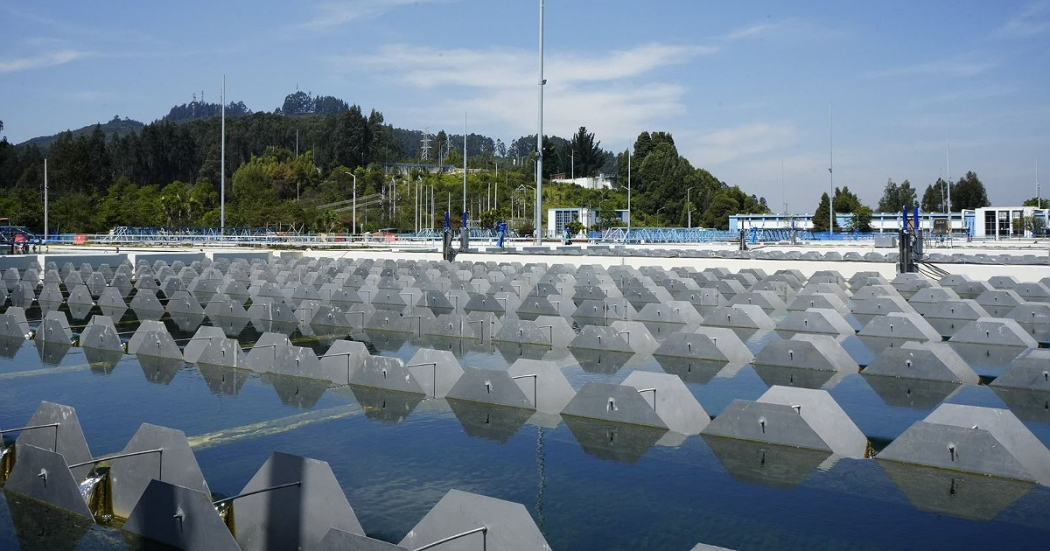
(354, 176)
(689, 207)
(222, 166)
(658, 214)
(628, 192)
(539, 145)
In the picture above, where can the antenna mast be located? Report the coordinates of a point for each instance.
(831, 172)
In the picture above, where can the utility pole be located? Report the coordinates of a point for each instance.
(464, 235)
(45, 200)
(831, 173)
(539, 145)
(628, 191)
(948, 162)
(222, 165)
(689, 206)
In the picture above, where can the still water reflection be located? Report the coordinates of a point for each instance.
(588, 485)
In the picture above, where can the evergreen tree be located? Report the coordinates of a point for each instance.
(896, 197)
(821, 215)
(935, 198)
(586, 155)
(969, 193)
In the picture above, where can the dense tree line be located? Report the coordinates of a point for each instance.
(168, 175)
(87, 169)
(283, 167)
(666, 187)
(302, 104)
(196, 110)
(966, 194)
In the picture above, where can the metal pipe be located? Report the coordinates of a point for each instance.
(435, 373)
(255, 492)
(535, 396)
(482, 322)
(30, 427)
(348, 365)
(118, 456)
(550, 331)
(483, 529)
(653, 390)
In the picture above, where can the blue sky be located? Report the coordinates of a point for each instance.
(744, 87)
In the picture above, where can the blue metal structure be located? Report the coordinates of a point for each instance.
(9, 234)
(694, 235)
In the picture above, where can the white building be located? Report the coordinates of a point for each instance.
(987, 222)
(558, 218)
(589, 182)
(997, 222)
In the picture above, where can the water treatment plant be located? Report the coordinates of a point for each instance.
(537, 399)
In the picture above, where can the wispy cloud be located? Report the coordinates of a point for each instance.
(791, 28)
(1033, 20)
(92, 96)
(614, 93)
(752, 140)
(429, 67)
(753, 31)
(43, 60)
(335, 14)
(957, 96)
(946, 69)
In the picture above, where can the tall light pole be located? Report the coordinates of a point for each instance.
(464, 234)
(948, 162)
(572, 163)
(354, 176)
(222, 165)
(539, 145)
(831, 174)
(689, 207)
(45, 199)
(628, 191)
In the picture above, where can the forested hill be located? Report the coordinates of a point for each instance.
(298, 104)
(195, 110)
(117, 127)
(286, 163)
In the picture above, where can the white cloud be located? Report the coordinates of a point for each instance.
(753, 31)
(613, 94)
(429, 67)
(954, 97)
(1030, 22)
(92, 96)
(947, 69)
(792, 28)
(737, 143)
(334, 14)
(40, 61)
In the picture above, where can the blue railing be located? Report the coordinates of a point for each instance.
(693, 235)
